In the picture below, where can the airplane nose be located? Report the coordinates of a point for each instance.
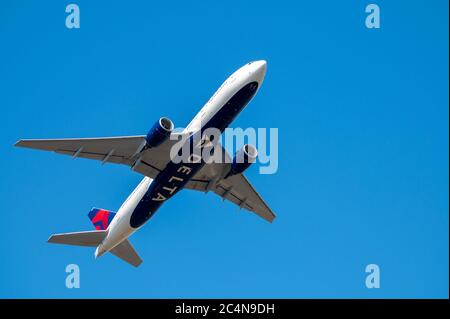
(260, 70)
(260, 65)
(263, 64)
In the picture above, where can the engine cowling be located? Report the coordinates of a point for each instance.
(159, 132)
(245, 157)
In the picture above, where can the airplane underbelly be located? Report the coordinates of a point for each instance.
(169, 182)
(175, 176)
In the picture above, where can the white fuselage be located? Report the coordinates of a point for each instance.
(120, 228)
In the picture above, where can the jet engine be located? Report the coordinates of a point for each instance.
(159, 132)
(243, 159)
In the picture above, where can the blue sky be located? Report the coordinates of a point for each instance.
(363, 146)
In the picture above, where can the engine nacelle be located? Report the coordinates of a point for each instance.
(245, 157)
(159, 132)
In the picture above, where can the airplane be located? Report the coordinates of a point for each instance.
(150, 155)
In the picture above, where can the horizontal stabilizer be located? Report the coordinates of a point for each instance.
(127, 253)
(91, 238)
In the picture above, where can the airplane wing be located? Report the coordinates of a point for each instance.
(124, 150)
(236, 188)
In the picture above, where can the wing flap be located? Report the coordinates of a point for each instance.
(239, 191)
(236, 189)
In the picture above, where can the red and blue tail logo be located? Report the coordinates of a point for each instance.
(101, 218)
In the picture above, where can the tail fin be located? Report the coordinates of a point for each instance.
(127, 253)
(101, 218)
(90, 238)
